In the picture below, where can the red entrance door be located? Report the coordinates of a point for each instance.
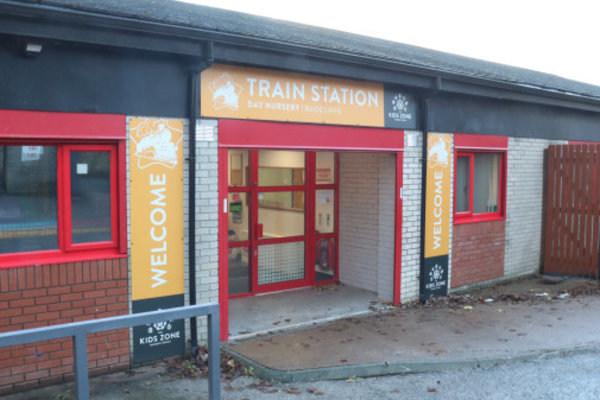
(282, 220)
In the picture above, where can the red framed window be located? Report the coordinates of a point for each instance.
(479, 178)
(58, 202)
(62, 187)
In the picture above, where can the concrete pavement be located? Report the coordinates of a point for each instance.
(526, 319)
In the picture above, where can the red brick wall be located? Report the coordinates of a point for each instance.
(54, 294)
(477, 252)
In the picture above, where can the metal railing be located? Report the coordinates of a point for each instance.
(79, 330)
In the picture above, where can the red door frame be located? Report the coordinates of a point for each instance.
(269, 135)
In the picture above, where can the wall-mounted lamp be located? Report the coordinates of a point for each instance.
(32, 49)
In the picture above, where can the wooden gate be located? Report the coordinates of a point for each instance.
(572, 210)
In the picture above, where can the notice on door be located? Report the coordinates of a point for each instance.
(156, 203)
(434, 275)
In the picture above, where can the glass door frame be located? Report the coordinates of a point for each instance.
(310, 236)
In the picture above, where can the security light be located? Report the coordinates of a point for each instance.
(33, 49)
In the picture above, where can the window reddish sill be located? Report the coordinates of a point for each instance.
(458, 220)
(30, 259)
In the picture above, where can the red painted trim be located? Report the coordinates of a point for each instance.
(337, 217)
(57, 257)
(253, 164)
(58, 125)
(122, 187)
(268, 135)
(223, 248)
(310, 216)
(471, 141)
(398, 231)
(468, 216)
(295, 188)
(277, 287)
(241, 243)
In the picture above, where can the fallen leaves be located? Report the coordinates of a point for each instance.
(315, 391)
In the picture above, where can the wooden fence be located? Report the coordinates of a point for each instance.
(572, 210)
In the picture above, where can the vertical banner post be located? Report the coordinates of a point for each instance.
(434, 275)
(157, 259)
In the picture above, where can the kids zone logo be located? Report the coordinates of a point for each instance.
(159, 333)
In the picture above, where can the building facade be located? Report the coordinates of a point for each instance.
(156, 155)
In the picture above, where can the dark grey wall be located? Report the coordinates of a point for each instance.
(86, 79)
(487, 116)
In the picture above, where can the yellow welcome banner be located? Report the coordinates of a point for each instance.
(437, 204)
(246, 93)
(156, 203)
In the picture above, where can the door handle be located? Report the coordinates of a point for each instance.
(259, 230)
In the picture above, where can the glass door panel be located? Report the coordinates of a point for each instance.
(281, 262)
(325, 171)
(239, 213)
(239, 222)
(280, 214)
(325, 260)
(239, 172)
(281, 168)
(325, 211)
(239, 270)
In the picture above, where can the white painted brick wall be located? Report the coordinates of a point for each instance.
(411, 219)
(387, 215)
(359, 216)
(524, 198)
(207, 217)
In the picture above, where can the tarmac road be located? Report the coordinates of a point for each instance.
(569, 378)
(572, 377)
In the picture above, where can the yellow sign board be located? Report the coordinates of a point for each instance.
(437, 204)
(245, 93)
(156, 203)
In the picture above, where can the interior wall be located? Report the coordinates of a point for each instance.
(387, 215)
(367, 209)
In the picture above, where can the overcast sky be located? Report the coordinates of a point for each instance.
(558, 37)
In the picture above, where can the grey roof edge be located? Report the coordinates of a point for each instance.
(267, 30)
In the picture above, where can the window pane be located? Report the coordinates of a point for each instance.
(90, 196)
(280, 168)
(325, 167)
(239, 270)
(281, 213)
(463, 183)
(325, 260)
(238, 217)
(238, 168)
(324, 215)
(486, 183)
(28, 201)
